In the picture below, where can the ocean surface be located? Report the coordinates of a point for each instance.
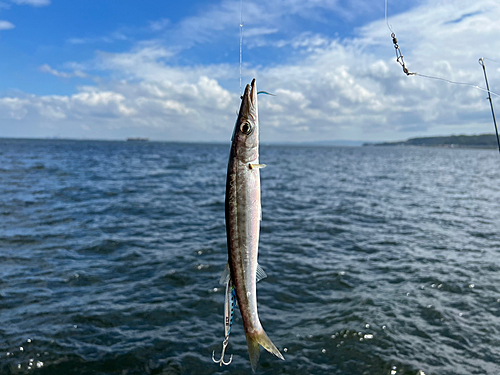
(379, 260)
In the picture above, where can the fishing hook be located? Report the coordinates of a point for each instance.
(221, 360)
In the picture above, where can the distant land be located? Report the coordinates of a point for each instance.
(485, 141)
(339, 142)
(452, 141)
(137, 139)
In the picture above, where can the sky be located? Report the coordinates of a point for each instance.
(170, 70)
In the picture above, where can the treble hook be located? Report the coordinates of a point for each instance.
(221, 360)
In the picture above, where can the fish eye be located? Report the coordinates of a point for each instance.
(246, 128)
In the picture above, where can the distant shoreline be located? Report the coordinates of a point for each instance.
(481, 141)
(336, 143)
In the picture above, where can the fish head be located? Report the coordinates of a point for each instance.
(246, 130)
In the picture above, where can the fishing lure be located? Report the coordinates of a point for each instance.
(229, 304)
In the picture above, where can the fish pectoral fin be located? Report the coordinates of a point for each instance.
(261, 274)
(226, 275)
(256, 166)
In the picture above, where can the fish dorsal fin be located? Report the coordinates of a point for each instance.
(226, 275)
(261, 274)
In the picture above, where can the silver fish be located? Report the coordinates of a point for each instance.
(243, 216)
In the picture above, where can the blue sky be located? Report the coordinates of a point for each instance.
(170, 70)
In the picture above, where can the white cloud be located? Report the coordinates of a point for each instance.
(13, 108)
(258, 31)
(111, 38)
(45, 68)
(35, 3)
(6, 25)
(145, 62)
(101, 103)
(185, 106)
(219, 20)
(159, 24)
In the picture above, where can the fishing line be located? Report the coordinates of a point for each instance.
(386, 19)
(241, 53)
(459, 83)
(241, 42)
(495, 61)
(400, 60)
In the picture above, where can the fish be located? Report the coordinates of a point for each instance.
(243, 214)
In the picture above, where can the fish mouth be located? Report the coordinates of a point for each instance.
(250, 95)
(253, 92)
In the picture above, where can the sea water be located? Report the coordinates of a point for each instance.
(380, 260)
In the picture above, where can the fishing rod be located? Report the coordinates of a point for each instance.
(481, 62)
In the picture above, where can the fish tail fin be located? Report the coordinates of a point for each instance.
(253, 351)
(253, 343)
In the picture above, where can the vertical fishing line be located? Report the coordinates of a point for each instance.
(241, 42)
(386, 19)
